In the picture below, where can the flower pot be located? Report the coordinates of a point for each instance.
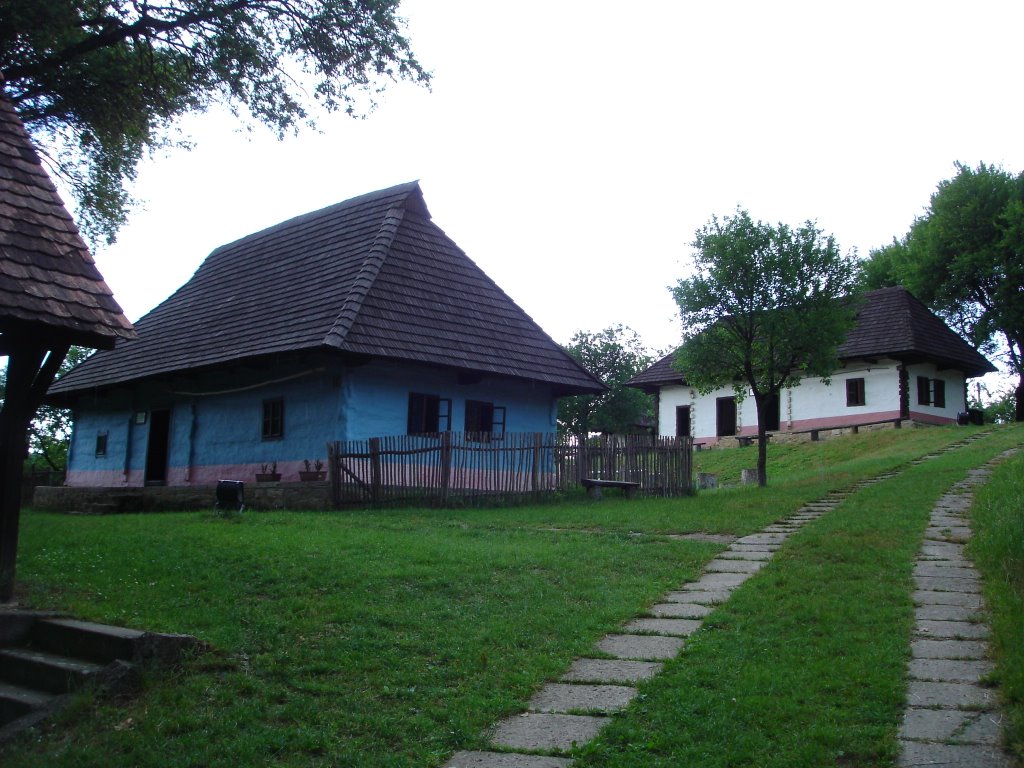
(268, 477)
(312, 475)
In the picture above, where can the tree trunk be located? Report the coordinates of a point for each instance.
(1019, 410)
(762, 441)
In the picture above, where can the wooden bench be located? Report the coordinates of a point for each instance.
(594, 487)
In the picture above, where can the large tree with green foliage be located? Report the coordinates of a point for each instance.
(965, 259)
(98, 83)
(766, 307)
(614, 355)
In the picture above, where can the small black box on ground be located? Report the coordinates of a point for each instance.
(231, 495)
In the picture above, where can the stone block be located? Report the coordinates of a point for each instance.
(640, 647)
(504, 760)
(947, 649)
(564, 698)
(675, 627)
(536, 731)
(610, 671)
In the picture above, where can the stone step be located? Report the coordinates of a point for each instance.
(16, 701)
(45, 671)
(100, 643)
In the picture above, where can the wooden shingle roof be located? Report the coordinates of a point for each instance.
(890, 323)
(49, 283)
(371, 276)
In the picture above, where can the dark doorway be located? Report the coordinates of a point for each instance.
(682, 421)
(156, 451)
(726, 411)
(772, 414)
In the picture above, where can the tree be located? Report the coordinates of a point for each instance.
(766, 307)
(98, 83)
(614, 355)
(965, 259)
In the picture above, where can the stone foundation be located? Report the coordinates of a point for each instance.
(258, 496)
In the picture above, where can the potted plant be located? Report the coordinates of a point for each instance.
(268, 473)
(314, 470)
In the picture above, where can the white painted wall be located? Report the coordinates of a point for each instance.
(814, 404)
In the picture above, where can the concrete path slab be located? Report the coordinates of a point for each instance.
(917, 753)
(948, 695)
(937, 597)
(720, 565)
(946, 612)
(504, 760)
(732, 554)
(699, 596)
(640, 647)
(754, 547)
(956, 630)
(681, 610)
(945, 571)
(949, 670)
(947, 649)
(712, 581)
(763, 538)
(563, 698)
(674, 627)
(933, 724)
(535, 731)
(610, 671)
(946, 584)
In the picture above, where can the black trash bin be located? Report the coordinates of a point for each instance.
(231, 495)
(963, 418)
(976, 416)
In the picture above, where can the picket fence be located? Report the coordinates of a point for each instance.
(457, 468)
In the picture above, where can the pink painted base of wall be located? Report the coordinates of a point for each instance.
(182, 476)
(836, 422)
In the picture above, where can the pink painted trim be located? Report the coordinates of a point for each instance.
(838, 422)
(932, 418)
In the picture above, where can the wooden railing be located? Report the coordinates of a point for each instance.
(460, 468)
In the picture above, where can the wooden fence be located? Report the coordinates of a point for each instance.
(460, 468)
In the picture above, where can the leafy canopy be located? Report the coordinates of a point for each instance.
(614, 355)
(98, 83)
(766, 306)
(965, 259)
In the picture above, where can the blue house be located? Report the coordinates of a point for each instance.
(359, 320)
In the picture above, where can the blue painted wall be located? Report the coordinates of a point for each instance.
(216, 420)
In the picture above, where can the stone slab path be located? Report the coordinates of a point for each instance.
(951, 718)
(571, 712)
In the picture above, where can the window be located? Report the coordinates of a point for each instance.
(428, 414)
(101, 444)
(273, 419)
(931, 392)
(855, 392)
(485, 419)
(726, 416)
(924, 395)
(682, 421)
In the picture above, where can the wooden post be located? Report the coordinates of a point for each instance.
(375, 482)
(334, 471)
(446, 464)
(536, 475)
(29, 372)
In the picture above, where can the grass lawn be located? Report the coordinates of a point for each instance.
(394, 638)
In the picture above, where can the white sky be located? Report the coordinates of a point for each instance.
(573, 148)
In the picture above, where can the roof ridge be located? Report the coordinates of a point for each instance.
(366, 276)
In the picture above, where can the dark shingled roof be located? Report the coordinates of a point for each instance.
(890, 323)
(369, 276)
(47, 276)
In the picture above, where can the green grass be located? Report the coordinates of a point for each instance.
(997, 549)
(394, 638)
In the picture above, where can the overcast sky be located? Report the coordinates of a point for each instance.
(573, 148)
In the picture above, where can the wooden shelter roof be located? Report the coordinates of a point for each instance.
(49, 283)
(371, 276)
(890, 323)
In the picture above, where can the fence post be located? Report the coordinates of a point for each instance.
(375, 481)
(334, 471)
(535, 474)
(446, 464)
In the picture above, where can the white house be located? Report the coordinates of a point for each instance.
(900, 362)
